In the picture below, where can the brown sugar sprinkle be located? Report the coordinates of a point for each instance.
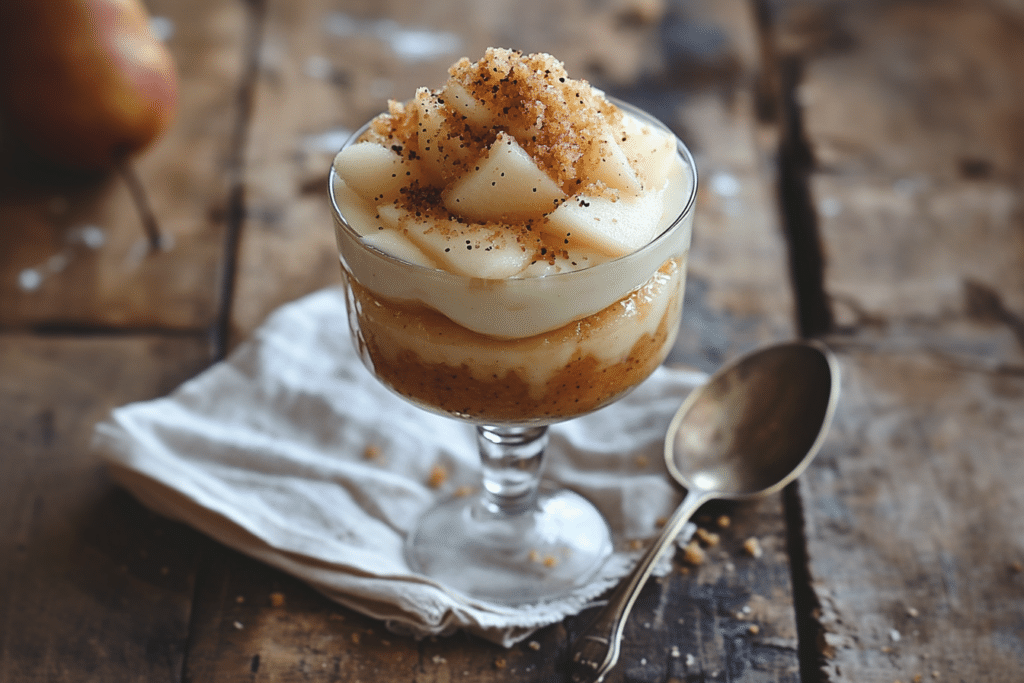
(277, 600)
(693, 554)
(463, 491)
(754, 629)
(500, 663)
(438, 476)
(559, 121)
(753, 547)
(550, 561)
(723, 521)
(371, 452)
(708, 538)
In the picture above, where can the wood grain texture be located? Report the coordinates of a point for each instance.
(912, 115)
(73, 251)
(914, 522)
(92, 586)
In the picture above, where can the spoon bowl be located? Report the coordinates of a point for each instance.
(750, 430)
(756, 424)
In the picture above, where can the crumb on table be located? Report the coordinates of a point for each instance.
(438, 476)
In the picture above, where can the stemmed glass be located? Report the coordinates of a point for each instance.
(519, 541)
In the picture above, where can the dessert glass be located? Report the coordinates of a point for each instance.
(517, 541)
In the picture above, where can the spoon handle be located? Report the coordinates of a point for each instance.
(597, 648)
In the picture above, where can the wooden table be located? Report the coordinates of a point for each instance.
(861, 167)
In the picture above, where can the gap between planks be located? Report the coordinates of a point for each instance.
(777, 106)
(256, 15)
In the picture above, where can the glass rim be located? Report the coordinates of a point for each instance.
(688, 208)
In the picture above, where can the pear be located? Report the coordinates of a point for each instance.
(377, 173)
(470, 249)
(85, 84)
(505, 185)
(611, 226)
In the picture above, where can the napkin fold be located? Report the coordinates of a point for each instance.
(291, 452)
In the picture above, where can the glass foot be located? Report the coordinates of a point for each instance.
(544, 553)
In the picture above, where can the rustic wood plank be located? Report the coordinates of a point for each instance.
(913, 522)
(318, 81)
(938, 263)
(73, 251)
(928, 89)
(730, 617)
(92, 586)
(913, 114)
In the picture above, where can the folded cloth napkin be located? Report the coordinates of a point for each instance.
(291, 452)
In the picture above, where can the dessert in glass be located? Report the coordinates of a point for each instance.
(513, 248)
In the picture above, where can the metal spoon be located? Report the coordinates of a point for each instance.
(749, 431)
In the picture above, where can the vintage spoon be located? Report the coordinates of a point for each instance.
(749, 431)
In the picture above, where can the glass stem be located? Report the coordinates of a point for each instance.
(512, 459)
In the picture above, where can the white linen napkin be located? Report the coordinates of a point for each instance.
(291, 452)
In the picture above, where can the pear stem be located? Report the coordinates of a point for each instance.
(141, 201)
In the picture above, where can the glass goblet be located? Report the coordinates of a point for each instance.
(494, 353)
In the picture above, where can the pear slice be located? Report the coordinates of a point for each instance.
(608, 226)
(473, 250)
(505, 185)
(577, 258)
(442, 154)
(460, 101)
(611, 165)
(359, 214)
(651, 151)
(430, 123)
(376, 172)
(398, 245)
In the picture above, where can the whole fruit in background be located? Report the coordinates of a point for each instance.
(84, 84)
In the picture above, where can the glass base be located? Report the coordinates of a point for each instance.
(544, 553)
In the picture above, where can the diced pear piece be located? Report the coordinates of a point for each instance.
(611, 227)
(359, 213)
(441, 154)
(460, 101)
(398, 245)
(577, 258)
(651, 151)
(467, 249)
(375, 172)
(611, 166)
(506, 184)
(429, 124)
